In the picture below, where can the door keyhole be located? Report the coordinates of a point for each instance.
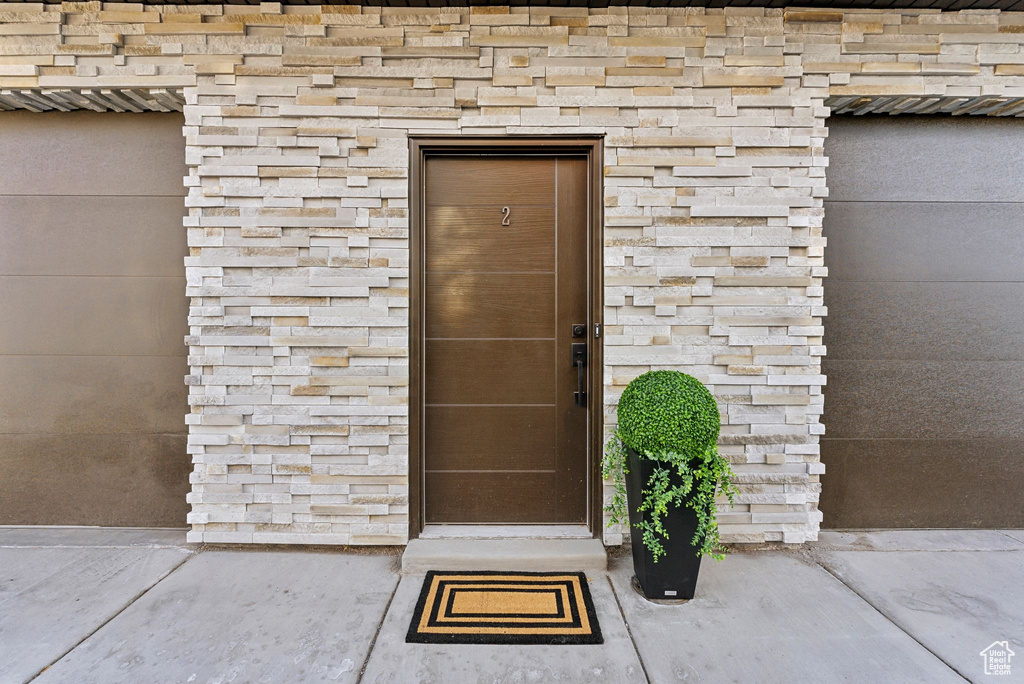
(505, 211)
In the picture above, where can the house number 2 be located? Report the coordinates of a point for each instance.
(505, 211)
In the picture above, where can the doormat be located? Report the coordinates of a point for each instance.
(505, 608)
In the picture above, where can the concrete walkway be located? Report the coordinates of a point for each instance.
(110, 606)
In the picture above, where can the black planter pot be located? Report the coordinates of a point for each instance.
(674, 576)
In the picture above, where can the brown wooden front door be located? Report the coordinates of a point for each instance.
(505, 279)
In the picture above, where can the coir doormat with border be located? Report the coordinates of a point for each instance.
(483, 607)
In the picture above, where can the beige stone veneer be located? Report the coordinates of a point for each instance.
(296, 125)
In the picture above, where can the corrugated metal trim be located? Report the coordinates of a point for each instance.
(985, 105)
(95, 99)
(172, 100)
(955, 5)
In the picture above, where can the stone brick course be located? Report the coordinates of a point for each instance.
(296, 137)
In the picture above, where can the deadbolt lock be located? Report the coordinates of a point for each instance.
(579, 330)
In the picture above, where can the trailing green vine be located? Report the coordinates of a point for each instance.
(669, 415)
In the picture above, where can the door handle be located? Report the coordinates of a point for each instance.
(579, 359)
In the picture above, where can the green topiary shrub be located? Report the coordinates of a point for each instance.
(668, 411)
(671, 418)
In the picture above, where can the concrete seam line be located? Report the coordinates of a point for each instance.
(90, 546)
(891, 620)
(1009, 536)
(846, 549)
(629, 632)
(103, 624)
(376, 633)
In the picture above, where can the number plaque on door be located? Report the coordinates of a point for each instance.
(505, 211)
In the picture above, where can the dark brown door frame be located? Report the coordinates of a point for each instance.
(593, 148)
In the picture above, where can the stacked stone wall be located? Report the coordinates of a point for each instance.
(296, 136)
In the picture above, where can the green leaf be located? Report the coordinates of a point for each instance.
(671, 418)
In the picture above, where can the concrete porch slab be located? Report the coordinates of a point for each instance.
(522, 555)
(917, 540)
(771, 617)
(889, 605)
(954, 603)
(243, 616)
(395, 662)
(94, 537)
(54, 591)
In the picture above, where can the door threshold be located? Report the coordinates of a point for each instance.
(522, 555)
(441, 531)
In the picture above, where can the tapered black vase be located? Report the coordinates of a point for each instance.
(674, 576)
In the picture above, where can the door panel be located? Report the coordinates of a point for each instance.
(480, 305)
(93, 154)
(924, 409)
(131, 474)
(490, 497)
(572, 308)
(463, 235)
(92, 299)
(492, 182)
(92, 315)
(524, 439)
(145, 229)
(503, 439)
(490, 372)
(91, 394)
